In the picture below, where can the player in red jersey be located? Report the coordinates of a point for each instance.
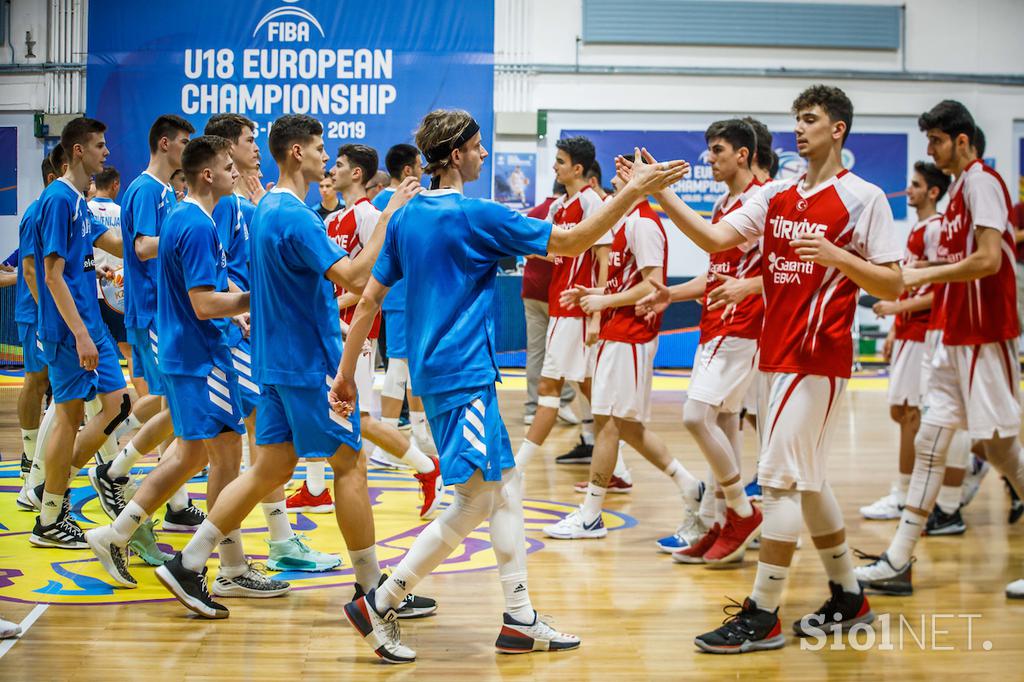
(974, 384)
(726, 361)
(352, 227)
(624, 367)
(826, 234)
(905, 345)
(568, 355)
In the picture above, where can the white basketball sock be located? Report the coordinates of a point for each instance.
(418, 421)
(180, 499)
(908, 532)
(28, 442)
(526, 452)
(316, 477)
(198, 550)
(949, 497)
(736, 498)
(769, 583)
(689, 487)
(52, 504)
(276, 516)
(125, 460)
(232, 555)
(415, 458)
(591, 507)
(127, 522)
(839, 567)
(366, 567)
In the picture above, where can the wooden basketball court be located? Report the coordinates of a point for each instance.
(636, 610)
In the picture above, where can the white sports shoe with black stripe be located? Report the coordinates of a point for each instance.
(522, 638)
(253, 584)
(112, 556)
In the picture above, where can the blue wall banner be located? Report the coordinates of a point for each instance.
(880, 158)
(9, 170)
(515, 179)
(368, 72)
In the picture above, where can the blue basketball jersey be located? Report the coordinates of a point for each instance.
(26, 310)
(147, 203)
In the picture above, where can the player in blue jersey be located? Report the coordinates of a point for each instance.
(77, 347)
(26, 312)
(449, 246)
(296, 341)
(194, 307)
(147, 203)
(233, 214)
(402, 161)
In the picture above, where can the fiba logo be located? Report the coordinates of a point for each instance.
(791, 165)
(280, 30)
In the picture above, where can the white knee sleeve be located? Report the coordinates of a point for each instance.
(930, 447)
(821, 511)
(782, 519)
(959, 451)
(396, 379)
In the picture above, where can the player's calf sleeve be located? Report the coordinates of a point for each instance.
(508, 539)
(930, 445)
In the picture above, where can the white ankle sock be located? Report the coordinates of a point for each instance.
(132, 423)
(591, 507)
(736, 499)
(232, 555)
(28, 442)
(621, 470)
(316, 477)
(720, 507)
(417, 460)
(839, 567)
(418, 421)
(125, 460)
(949, 498)
(198, 550)
(127, 522)
(180, 499)
(768, 585)
(276, 516)
(908, 532)
(689, 487)
(52, 504)
(517, 597)
(366, 567)
(526, 452)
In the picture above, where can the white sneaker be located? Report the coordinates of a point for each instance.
(572, 527)
(566, 414)
(113, 557)
(528, 419)
(253, 584)
(381, 632)
(1015, 590)
(972, 481)
(519, 638)
(382, 459)
(885, 508)
(9, 629)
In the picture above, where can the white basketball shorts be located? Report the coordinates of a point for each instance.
(723, 370)
(623, 374)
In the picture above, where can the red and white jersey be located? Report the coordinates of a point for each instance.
(809, 308)
(638, 242)
(983, 310)
(912, 326)
(745, 320)
(932, 234)
(351, 228)
(564, 214)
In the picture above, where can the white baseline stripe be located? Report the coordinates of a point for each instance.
(30, 619)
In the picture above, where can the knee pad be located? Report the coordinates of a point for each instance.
(959, 450)
(782, 516)
(396, 379)
(126, 409)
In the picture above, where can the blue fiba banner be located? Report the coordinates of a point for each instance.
(880, 158)
(367, 71)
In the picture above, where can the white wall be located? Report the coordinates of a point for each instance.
(953, 36)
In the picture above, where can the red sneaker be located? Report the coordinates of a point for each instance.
(738, 532)
(694, 554)
(301, 501)
(615, 485)
(432, 488)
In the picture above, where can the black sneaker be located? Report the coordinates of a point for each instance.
(1016, 506)
(581, 454)
(941, 523)
(413, 606)
(185, 520)
(842, 610)
(26, 465)
(110, 491)
(190, 588)
(64, 533)
(882, 577)
(746, 629)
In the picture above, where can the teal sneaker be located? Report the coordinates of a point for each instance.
(295, 555)
(143, 543)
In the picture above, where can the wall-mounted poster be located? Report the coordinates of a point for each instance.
(515, 179)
